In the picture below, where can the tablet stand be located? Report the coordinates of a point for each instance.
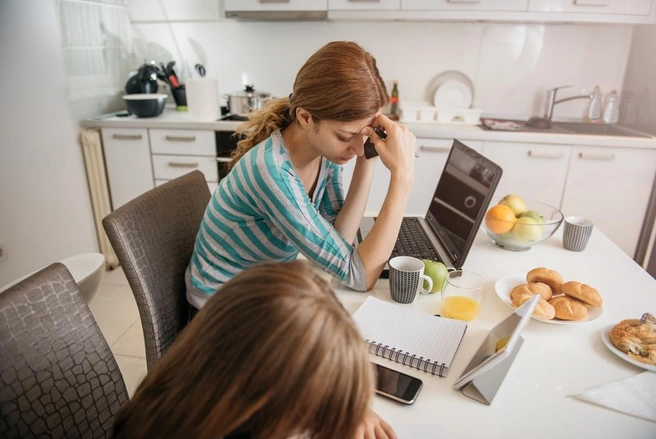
(484, 387)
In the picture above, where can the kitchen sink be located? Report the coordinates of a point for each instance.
(581, 128)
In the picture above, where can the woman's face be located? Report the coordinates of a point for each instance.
(339, 142)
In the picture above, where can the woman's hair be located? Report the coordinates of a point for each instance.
(270, 355)
(338, 82)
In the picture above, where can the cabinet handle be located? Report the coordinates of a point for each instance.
(183, 165)
(181, 138)
(591, 2)
(364, 1)
(431, 148)
(588, 156)
(545, 155)
(464, 1)
(126, 136)
(223, 159)
(274, 1)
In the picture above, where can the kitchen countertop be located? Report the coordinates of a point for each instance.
(171, 119)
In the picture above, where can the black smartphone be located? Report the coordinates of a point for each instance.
(369, 148)
(396, 385)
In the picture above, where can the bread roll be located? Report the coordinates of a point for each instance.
(568, 308)
(546, 276)
(543, 290)
(542, 310)
(585, 293)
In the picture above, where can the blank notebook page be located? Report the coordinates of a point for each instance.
(408, 330)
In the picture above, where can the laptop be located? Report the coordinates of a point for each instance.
(461, 198)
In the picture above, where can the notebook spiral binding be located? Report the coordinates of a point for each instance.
(407, 359)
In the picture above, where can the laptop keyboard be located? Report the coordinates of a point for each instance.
(413, 241)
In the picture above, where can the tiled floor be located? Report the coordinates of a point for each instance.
(116, 312)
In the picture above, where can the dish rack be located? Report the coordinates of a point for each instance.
(449, 75)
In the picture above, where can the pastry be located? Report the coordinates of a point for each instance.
(584, 293)
(542, 310)
(543, 290)
(568, 308)
(546, 276)
(636, 338)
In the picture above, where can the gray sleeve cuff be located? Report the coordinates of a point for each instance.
(356, 278)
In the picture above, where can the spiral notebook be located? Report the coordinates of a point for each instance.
(409, 337)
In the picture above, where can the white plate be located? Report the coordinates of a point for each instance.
(505, 284)
(453, 95)
(605, 337)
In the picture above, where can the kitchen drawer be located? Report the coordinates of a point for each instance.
(272, 5)
(212, 185)
(624, 7)
(465, 5)
(361, 5)
(182, 142)
(167, 167)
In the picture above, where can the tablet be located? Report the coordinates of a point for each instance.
(499, 343)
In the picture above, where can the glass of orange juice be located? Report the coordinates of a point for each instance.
(463, 294)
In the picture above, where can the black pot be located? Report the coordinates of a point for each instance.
(145, 104)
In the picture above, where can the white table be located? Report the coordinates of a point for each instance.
(555, 361)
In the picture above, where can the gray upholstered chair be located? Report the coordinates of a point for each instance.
(153, 237)
(58, 377)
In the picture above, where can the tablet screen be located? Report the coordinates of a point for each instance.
(499, 343)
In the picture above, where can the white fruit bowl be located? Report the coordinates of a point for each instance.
(522, 237)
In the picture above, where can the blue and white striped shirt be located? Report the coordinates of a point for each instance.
(261, 212)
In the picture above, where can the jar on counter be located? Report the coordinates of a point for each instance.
(612, 108)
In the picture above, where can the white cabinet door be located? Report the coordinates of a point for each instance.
(276, 5)
(363, 5)
(428, 168)
(624, 7)
(127, 157)
(183, 142)
(533, 171)
(611, 187)
(465, 5)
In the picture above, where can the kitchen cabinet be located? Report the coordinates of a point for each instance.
(127, 158)
(465, 5)
(364, 5)
(275, 5)
(622, 7)
(428, 169)
(533, 171)
(139, 159)
(611, 187)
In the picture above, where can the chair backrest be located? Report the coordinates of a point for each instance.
(153, 237)
(58, 377)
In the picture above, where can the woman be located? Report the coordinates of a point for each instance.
(284, 193)
(273, 356)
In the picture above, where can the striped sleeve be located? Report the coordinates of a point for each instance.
(283, 202)
(333, 197)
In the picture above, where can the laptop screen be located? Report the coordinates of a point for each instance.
(461, 199)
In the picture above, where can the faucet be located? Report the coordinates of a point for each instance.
(551, 100)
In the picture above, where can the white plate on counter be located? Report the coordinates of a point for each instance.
(453, 94)
(605, 337)
(505, 284)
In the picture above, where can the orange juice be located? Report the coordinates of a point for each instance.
(460, 307)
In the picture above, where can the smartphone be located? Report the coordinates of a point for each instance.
(396, 385)
(369, 148)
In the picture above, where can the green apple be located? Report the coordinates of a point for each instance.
(515, 202)
(527, 229)
(436, 271)
(535, 215)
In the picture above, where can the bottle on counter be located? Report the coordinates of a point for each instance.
(612, 108)
(394, 101)
(596, 106)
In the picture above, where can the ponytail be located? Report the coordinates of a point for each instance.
(260, 125)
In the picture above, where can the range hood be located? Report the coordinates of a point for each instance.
(277, 15)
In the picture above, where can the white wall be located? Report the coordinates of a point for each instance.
(45, 211)
(641, 79)
(511, 65)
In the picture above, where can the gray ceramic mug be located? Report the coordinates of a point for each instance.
(406, 279)
(577, 233)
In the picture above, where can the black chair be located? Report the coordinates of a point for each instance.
(153, 237)
(58, 376)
